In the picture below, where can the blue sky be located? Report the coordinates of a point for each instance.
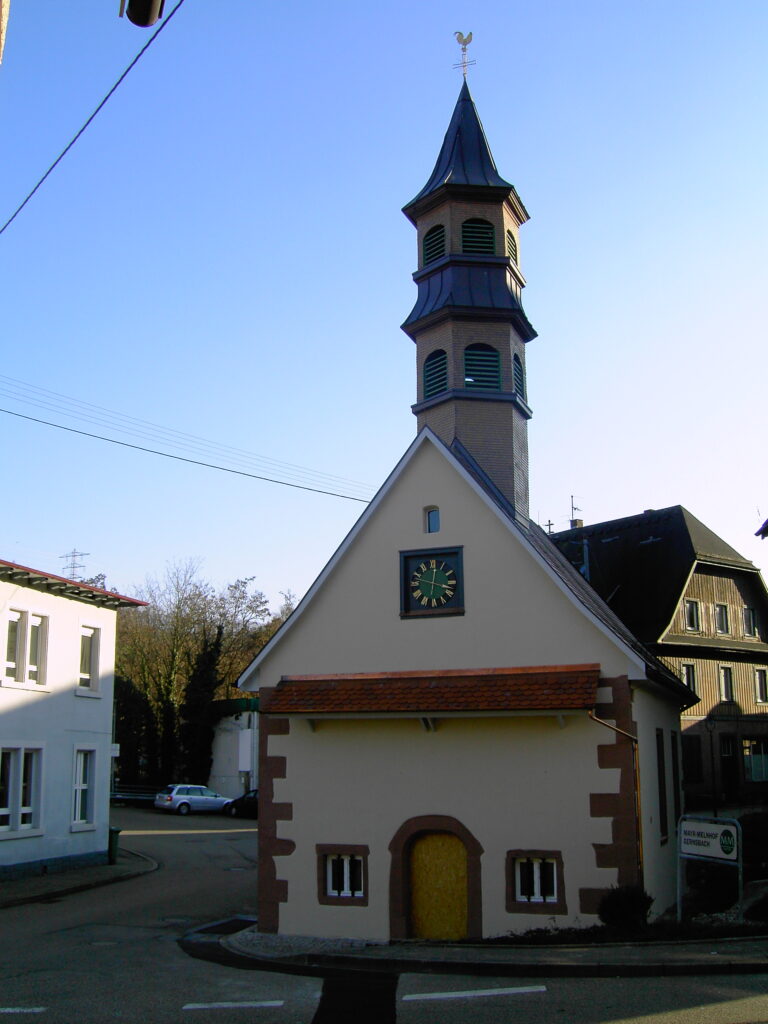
(223, 255)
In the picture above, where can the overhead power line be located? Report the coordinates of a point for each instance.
(157, 435)
(72, 141)
(181, 458)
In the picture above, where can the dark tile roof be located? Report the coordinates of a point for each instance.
(36, 579)
(544, 544)
(465, 157)
(640, 564)
(559, 688)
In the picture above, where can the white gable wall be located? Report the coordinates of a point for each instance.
(516, 614)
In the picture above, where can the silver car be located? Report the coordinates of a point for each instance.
(183, 799)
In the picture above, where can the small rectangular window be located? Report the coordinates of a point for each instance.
(25, 648)
(726, 683)
(89, 658)
(535, 882)
(688, 671)
(84, 786)
(755, 758)
(692, 620)
(342, 875)
(432, 520)
(761, 685)
(20, 769)
(750, 622)
(721, 618)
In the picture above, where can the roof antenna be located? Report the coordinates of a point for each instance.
(464, 41)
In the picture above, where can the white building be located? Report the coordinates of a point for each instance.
(56, 690)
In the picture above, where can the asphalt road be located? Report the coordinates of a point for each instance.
(111, 954)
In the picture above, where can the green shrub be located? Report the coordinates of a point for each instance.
(625, 906)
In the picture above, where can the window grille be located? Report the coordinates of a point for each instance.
(511, 246)
(433, 246)
(482, 368)
(519, 375)
(477, 236)
(435, 373)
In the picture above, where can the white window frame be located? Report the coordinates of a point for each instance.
(692, 603)
(761, 685)
(88, 682)
(20, 671)
(749, 621)
(16, 757)
(721, 611)
(80, 787)
(346, 891)
(725, 679)
(537, 896)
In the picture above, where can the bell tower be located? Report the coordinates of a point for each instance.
(468, 323)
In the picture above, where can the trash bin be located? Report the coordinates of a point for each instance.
(114, 840)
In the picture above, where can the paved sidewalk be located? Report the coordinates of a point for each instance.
(269, 952)
(18, 891)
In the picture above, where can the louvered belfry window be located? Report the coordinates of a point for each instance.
(435, 373)
(477, 236)
(511, 246)
(482, 368)
(519, 375)
(434, 244)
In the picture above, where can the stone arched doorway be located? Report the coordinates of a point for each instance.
(435, 887)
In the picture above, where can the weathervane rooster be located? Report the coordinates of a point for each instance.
(463, 41)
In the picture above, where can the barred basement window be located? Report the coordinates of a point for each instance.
(511, 246)
(435, 373)
(519, 375)
(482, 368)
(477, 236)
(535, 883)
(433, 246)
(342, 875)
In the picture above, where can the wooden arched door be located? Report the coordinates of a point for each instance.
(439, 893)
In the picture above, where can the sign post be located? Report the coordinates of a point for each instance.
(717, 840)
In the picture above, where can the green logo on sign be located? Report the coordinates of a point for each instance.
(727, 841)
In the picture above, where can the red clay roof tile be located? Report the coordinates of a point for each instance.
(556, 688)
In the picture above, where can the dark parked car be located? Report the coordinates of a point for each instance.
(245, 806)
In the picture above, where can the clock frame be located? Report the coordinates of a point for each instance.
(431, 582)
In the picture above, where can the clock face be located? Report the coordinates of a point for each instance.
(431, 582)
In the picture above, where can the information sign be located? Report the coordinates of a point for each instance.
(715, 841)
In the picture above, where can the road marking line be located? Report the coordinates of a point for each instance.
(23, 1009)
(476, 993)
(228, 1006)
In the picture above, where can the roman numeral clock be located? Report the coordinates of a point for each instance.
(431, 582)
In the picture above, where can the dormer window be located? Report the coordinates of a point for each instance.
(511, 246)
(477, 236)
(433, 246)
(518, 374)
(435, 373)
(482, 368)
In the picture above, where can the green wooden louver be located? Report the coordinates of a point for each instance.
(519, 376)
(435, 373)
(434, 243)
(477, 236)
(511, 247)
(482, 368)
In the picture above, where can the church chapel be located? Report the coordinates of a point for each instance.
(476, 745)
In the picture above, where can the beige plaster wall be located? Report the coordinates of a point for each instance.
(515, 614)
(520, 783)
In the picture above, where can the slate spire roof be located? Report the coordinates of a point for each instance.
(465, 157)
